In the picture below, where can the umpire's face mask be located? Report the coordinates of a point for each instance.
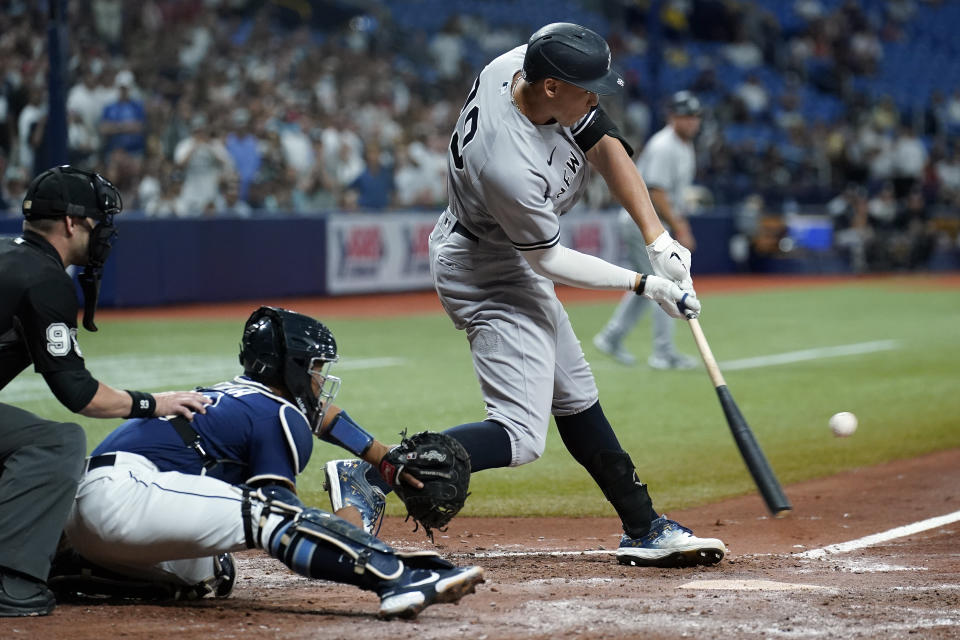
(98, 250)
(68, 191)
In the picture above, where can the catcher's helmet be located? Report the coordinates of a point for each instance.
(571, 53)
(684, 103)
(68, 191)
(291, 351)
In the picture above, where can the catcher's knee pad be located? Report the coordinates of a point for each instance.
(306, 539)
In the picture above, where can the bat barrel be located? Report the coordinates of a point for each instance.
(763, 476)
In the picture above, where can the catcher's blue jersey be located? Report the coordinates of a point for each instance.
(257, 435)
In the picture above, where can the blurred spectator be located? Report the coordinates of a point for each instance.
(909, 159)
(742, 52)
(82, 142)
(882, 208)
(447, 49)
(123, 123)
(754, 96)
(244, 149)
(319, 186)
(30, 127)
(866, 52)
(13, 187)
(166, 203)
(348, 163)
(108, 20)
(204, 160)
(953, 113)
(296, 145)
(948, 175)
(228, 199)
(412, 182)
(88, 98)
(851, 230)
(374, 186)
(913, 244)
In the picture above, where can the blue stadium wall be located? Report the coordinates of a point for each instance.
(157, 262)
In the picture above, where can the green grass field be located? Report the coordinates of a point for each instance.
(414, 372)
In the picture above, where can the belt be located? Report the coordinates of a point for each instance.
(466, 233)
(105, 460)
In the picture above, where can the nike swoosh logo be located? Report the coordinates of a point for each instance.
(433, 577)
(550, 159)
(677, 256)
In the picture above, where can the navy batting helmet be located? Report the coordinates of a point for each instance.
(573, 54)
(685, 103)
(289, 350)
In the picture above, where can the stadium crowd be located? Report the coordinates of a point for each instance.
(225, 107)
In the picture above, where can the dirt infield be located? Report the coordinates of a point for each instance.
(555, 578)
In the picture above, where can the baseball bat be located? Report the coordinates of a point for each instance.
(750, 450)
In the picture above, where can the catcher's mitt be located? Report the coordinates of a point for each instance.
(441, 464)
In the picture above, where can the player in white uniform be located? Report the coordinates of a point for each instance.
(528, 134)
(668, 166)
(163, 502)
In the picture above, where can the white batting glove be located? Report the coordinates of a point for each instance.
(671, 298)
(671, 260)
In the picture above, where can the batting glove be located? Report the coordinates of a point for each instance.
(671, 260)
(671, 298)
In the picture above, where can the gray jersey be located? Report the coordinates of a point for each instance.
(668, 162)
(509, 180)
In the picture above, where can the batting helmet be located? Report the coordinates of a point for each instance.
(573, 54)
(290, 351)
(685, 103)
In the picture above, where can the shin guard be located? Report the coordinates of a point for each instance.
(317, 544)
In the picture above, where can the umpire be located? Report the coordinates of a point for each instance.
(68, 221)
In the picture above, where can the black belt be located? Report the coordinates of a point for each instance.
(466, 233)
(105, 460)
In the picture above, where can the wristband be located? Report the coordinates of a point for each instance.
(642, 285)
(143, 406)
(346, 433)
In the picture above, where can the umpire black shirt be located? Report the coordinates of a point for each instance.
(38, 320)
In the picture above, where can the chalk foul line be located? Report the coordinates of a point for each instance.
(842, 547)
(816, 353)
(885, 536)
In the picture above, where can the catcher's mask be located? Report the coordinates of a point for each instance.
(68, 191)
(294, 352)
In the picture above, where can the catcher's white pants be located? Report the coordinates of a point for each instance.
(525, 353)
(154, 525)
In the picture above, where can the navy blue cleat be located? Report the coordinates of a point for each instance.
(348, 487)
(417, 589)
(669, 544)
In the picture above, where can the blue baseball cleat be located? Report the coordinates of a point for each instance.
(417, 589)
(348, 487)
(669, 544)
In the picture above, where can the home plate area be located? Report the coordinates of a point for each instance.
(869, 554)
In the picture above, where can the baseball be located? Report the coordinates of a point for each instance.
(843, 424)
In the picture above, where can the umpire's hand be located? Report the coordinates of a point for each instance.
(180, 403)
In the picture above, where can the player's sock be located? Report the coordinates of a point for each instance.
(487, 443)
(591, 441)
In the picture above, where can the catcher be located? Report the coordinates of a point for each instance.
(163, 502)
